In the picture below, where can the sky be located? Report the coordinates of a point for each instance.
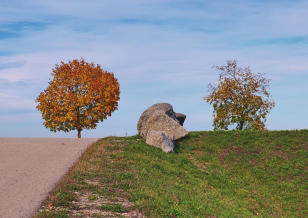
(160, 51)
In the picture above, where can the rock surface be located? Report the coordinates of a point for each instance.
(161, 140)
(180, 117)
(161, 119)
(165, 107)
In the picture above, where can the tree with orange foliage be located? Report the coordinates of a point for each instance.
(79, 96)
(240, 98)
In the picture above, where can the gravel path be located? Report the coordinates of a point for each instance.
(30, 168)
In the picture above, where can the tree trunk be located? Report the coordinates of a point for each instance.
(79, 133)
(241, 125)
(78, 123)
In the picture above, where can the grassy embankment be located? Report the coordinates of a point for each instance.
(210, 174)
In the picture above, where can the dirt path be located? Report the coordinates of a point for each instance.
(30, 168)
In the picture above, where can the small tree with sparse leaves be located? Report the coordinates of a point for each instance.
(240, 98)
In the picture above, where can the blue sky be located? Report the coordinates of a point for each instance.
(160, 50)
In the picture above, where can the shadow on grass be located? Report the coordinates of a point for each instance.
(178, 144)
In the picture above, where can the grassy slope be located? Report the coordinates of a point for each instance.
(222, 173)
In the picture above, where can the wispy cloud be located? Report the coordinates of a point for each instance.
(23, 26)
(7, 35)
(286, 41)
(9, 102)
(18, 29)
(18, 118)
(8, 65)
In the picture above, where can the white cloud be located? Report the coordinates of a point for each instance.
(8, 101)
(19, 118)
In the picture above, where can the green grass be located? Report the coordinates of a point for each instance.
(210, 174)
(113, 207)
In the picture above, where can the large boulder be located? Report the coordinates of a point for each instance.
(161, 117)
(165, 107)
(161, 140)
(180, 117)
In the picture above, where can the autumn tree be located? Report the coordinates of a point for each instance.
(79, 96)
(241, 98)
